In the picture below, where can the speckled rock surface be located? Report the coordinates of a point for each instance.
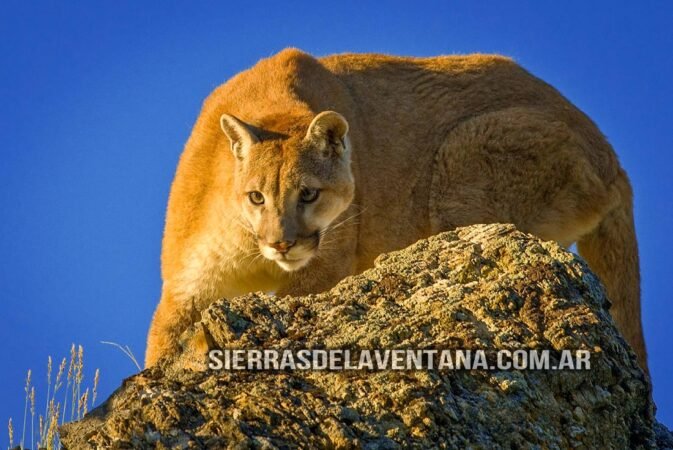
(480, 287)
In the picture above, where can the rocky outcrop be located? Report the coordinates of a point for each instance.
(485, 287)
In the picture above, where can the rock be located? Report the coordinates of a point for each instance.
(485, 287)
(663, 436)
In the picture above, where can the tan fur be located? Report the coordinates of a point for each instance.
(419, 145)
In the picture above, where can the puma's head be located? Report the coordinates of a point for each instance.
(291, 189)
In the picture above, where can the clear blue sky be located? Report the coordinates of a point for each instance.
(98, 98)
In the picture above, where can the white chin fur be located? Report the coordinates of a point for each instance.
(290, 266)
(287, 265)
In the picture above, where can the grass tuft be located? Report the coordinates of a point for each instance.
(56, 401)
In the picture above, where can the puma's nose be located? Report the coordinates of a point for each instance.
(282, 246)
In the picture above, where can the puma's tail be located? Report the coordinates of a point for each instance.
(612, 252)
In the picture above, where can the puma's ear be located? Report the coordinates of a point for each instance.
(239, 135)
(328, 130)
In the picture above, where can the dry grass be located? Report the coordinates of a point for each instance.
(74, 398)
(126, 350)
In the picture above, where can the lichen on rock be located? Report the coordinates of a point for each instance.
(485, 287)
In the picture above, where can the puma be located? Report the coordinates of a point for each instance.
(300, 171)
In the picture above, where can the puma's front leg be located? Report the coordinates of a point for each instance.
(170, 320)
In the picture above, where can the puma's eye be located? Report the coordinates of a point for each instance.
(309, 195)
(256, 198)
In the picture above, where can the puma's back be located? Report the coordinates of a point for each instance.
(410, 108)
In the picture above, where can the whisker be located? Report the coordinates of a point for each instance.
(329, 238)
(244, 224)
(333, 227)
(253, 260)
(248, 256)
